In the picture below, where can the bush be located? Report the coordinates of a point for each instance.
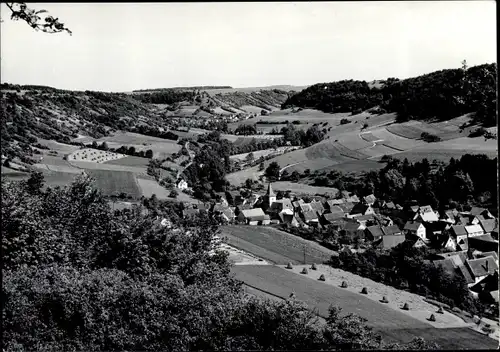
(344, 121)
(173, 194)
(478, 132)
(430, 138)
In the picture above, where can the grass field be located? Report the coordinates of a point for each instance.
(332, 150)
(149, 187)
(59, 147)
(116, 182)
(393, 325)
(378, 150)
(108, 167)
(130, 161)
(303, 189)
(369, 137)
(274, 245)
(405, 131)
(354, 142)
(394, 141)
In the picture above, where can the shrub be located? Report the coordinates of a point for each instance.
(344, 121)
(430, 138)
(478, 132)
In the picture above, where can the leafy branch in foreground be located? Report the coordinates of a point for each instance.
(49, 24)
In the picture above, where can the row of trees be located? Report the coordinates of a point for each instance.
(87, 278)
(442, 94)
(404, 267)
(122, 150)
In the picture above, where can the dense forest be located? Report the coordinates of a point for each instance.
(165, 96)
(80, 277)
(438, 95)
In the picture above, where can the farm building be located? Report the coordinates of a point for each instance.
(415, 228)
(317, 207)
(374, 233)
(346, 207)
(426, 214)
(483, 243)
(254, 216)
(370, 199)
(488, 225)
(288, 219)
(474, 230)
(310, 217)
(361, 209)
(330, 218)
(391, 230)
(481, 268)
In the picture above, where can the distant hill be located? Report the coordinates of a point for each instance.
(182, 88)
(438, 95)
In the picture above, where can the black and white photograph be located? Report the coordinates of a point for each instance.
(249, 176)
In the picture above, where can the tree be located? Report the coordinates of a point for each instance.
(173, 194)
(149, 154)
(250, 157)
(261, 166)
(273, 171)
(20, 11)
(35, 182)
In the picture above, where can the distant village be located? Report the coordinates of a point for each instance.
(467, 241)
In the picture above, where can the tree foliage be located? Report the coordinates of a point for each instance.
(20, 11)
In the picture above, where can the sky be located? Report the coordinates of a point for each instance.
(127, 46)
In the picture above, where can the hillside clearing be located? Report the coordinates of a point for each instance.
(116, 182)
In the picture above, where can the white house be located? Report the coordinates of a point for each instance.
(426, 214)
(416, 228)
(182, 184)
(474, 230)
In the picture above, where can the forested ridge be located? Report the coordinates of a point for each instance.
(80, 277)
(438, 95)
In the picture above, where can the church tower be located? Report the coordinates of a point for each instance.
(270, 196)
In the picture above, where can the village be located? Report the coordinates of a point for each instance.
(466, 242)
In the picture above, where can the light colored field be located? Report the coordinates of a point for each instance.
(109, 167)
(332, 150)
(240, 257)
(354, 142)
(59, 147)
(213, 92)
(369, 137)
(238, 177)
(419, 309)
(378, 150)
(58, 168)
(94, 155)
(395, 141)
(132, 138)
(149, 187)
(251, 108)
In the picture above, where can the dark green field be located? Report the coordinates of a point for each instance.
(116, 182)
(274, 245)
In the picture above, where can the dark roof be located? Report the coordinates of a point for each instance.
(365, 217)
(412, 225)
(346, 207)
(391, 230)
(458, 230)
(351, 226)
(482, 266)
(488, 225)
(270, 192)
(359, 208)
(466, 274)
(375, 231)
(477, 210)
(447, 265)
(488, 284)
(388, 242)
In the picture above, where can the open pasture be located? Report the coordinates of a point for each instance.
(394, 141)
(378, 150)
(274, 245)
(354, 142)
(94, 155)
(263, 153)
(116, 182)
(405, 131)
(61, 148)
(330, 149)
(355, 166)
(108, 167)
(316, 164)
(369, 137)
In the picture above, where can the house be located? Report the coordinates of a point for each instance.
(483, 243)
(459, 232)
(388, 242)
(462, 244)
(282, 205)
(486, 285)
(383, 220)
(224, 211)
(288, 219)
(310, 217)
(475, 211)
(234, 198)
(346, 207)
(391, 230)
(389, 206)
(374, 233)
(332, 203)
(353, 199)
(487, 254)
(449, 216)
(369, 200)
(361, 209)
(488, 225)
(253, 199)
(330, 218)
(352, 230)
(252, 216)
(296, 204)
(425, 214)
(317, 207)
(365, 220)
(335, 209)
(481, 268)
(417, 242)
(474, 230)
(415, 228)
(182, 184)
(449, 243)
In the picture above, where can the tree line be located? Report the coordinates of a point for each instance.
(438, 95)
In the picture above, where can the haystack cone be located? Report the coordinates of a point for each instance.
(406, 306)
(322, 277)
(440, 310)
(432, 317)
(344, 284)
(289, 265)
(385, 300)
(304, 271)
(313, 267)
(364, 291)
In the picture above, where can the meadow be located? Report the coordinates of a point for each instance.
(116, 182)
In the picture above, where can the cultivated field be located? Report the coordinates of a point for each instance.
(393, 324)
(97, 156)
(108, 167)
(149, 187)
(116, 182)
(274, 245)
(130, 161)
(58, 147)
(263, 153)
